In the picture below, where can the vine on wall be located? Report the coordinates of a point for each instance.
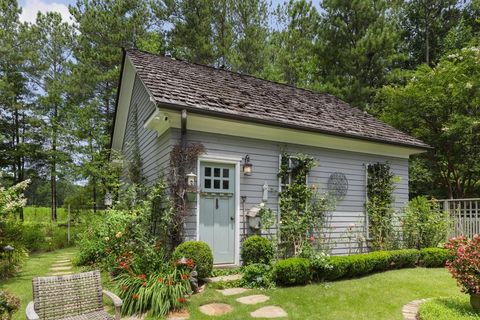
(303, 211)
(380, 188)
(183, 159)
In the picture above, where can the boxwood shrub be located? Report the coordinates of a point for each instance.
(433, 257)
(292, 271)
(257, 249)
(201, 254)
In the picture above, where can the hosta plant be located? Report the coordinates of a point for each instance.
(465, 263)
(158, 293)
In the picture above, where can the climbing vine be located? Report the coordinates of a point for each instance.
(303, 210)
(183, 159)
(380, 187)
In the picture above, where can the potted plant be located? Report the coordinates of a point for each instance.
(464, 265)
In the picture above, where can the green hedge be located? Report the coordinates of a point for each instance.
(357, 265)
(292, 271)
(433, 257)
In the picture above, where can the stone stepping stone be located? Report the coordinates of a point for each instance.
(63, 261)
(61, 264)
(269, 312)
(229, 278)
(410, 310)
(135, 317)
(253, 299)
(60, 273)
(178, 315)
(60, 268)
(232, 291)
(215, 309)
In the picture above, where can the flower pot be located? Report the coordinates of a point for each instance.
(475, 302)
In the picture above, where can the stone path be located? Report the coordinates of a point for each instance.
(218, 309)
(410, 310)
(229, 278)
(62, 266)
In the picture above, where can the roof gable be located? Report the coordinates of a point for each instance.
(229, 94)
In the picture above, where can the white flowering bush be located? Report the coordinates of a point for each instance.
(12, 198)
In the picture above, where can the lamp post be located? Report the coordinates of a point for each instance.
(9, 250)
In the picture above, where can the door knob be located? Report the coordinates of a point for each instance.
(232, 218)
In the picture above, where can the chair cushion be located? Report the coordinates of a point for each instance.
(96, 315)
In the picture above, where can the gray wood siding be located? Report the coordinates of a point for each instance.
(264, 156)
(154, 150)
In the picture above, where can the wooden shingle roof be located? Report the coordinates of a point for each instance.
(233, 95)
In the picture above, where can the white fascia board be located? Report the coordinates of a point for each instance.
(124, 99)
(204, 123)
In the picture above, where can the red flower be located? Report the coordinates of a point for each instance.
(142, 276)
(135, 296)
(184, 276)
(124, 265)
(160, 280)
(182, 300)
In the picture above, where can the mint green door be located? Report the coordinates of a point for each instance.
(217, 210)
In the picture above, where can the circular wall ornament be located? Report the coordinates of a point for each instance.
(337, 185)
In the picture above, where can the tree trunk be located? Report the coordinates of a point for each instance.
(18, 171)
(53, 168)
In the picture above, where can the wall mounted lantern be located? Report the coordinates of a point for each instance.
(191, 179)
(247, 166)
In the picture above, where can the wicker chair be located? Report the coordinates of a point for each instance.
(72, 297)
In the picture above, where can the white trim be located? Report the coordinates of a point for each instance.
(226, 160)
(217, 125)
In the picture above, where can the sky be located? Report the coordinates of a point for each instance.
(31, 7)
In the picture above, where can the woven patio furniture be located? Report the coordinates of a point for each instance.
(73, 297)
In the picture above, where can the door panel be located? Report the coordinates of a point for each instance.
(217, 210)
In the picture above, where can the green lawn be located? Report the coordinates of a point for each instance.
(21, 285)
(380, 296)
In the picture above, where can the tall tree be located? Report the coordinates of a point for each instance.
(357, 47)
(54, 40)
(19, 130)
(292, 48)
(425, 23)
(192, 35)
(440, 105)
(103, 27)
(250, 23)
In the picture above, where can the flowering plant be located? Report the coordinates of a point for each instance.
(9, 304)
(465, 262)
(157, 292)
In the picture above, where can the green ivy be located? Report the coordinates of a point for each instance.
(380, 187)
(302, 210)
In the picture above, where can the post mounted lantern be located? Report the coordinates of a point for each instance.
(191, 179)
(9, 250)
(247, 166)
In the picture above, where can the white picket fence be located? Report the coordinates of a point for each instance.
(464, 214)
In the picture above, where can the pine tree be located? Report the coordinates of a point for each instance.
(53, 41)
(358, 47)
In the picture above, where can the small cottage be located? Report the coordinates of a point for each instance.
(247, 126)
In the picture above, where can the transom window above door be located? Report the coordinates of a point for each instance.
(216, 178)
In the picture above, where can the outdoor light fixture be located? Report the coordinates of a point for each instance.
(247, 166)
(191, 179)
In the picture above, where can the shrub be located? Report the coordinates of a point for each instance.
(200, 253)
(9, 304)
(292, 271)
(448, 308)
(406, 258)
(424, 223)
(257, 249)
(465, 262)
(258, 275)
(157, 292)
(363, 264)
(319, 261)
(433, 257)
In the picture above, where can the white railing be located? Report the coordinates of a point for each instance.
(464, 214)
